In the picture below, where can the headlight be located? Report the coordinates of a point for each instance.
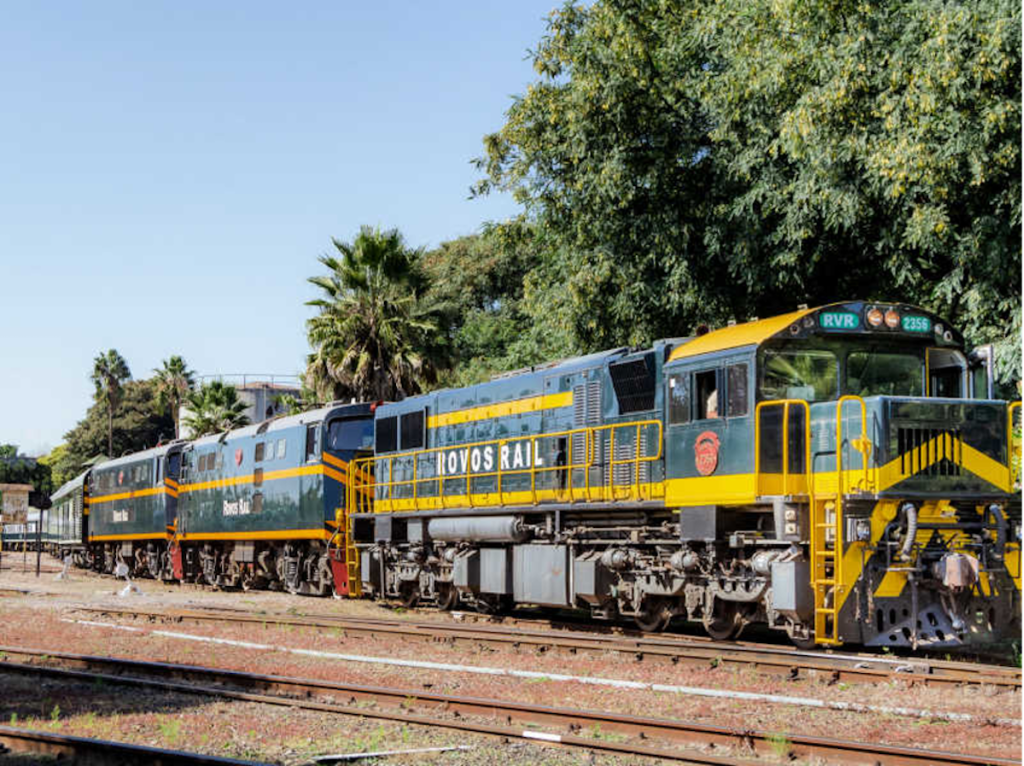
(875, 317)
(892, 319)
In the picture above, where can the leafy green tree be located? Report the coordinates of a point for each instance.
(8, 451)
(21, 470)
(478, 279)
(109, 373)
(173, 381)
(214, 407)
(375, 335)
(62, 468)
(687, 161)
(140, 423)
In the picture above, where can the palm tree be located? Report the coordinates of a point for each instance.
(109, 372)
(173, 380)
(214, 407)
(375, 336)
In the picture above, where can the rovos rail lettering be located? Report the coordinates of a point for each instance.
(480, 459)
(241, 507)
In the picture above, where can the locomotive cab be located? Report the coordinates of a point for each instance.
(868, 454)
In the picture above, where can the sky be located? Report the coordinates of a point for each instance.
(172, 170)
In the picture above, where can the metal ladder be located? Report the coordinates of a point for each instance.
(827, 577)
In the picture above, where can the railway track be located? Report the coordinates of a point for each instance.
(776, 660)
(650, 737)
(102, 751)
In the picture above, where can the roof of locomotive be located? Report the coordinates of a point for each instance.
(804, 322)
(70, 486)
(134, 457)
(288, 421)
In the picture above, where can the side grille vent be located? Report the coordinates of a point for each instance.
(931, 451)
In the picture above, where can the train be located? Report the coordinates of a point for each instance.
(841, 474)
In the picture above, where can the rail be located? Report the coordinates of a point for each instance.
(375, 487)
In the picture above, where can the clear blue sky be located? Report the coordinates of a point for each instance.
(172, 170)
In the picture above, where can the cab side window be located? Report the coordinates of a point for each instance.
(678, 399)
(706, 387)
(312, 441)
(736, 375)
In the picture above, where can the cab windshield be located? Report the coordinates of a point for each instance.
(811, 374)
(884, 373)
(822, 373)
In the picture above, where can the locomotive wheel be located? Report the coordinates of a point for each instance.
(489, 604)
(447, 596)
(409, 594)
(653, 615)
(724, 622)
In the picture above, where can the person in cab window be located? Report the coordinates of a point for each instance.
(711, 411)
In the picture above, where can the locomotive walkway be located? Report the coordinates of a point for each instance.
(765, 658)
(469, 714)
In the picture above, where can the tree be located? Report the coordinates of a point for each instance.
(376, 336)
(173, 381)
(8, 451)
(62, 465)
(140, 423)
(698, 160)
(109, 373)
(478, 279)
(21, 470)
(214, 407)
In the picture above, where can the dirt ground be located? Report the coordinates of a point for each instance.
(39, 613)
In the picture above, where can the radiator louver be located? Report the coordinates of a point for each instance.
(931, 451)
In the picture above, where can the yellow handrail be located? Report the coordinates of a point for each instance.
(785, 404)
(1009, 443)
(365, 483)
(864, 447)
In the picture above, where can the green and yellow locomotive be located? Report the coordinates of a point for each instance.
(838, 473)
(132, 511)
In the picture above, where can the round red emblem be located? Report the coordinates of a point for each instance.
(706, 453)
(238, 456)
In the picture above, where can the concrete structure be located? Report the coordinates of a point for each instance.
(14, 499)
(261, 394)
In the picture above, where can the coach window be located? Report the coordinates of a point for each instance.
(737, 390)
(281, 443)
(705, 386)
(260, 448)
(678, 399)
